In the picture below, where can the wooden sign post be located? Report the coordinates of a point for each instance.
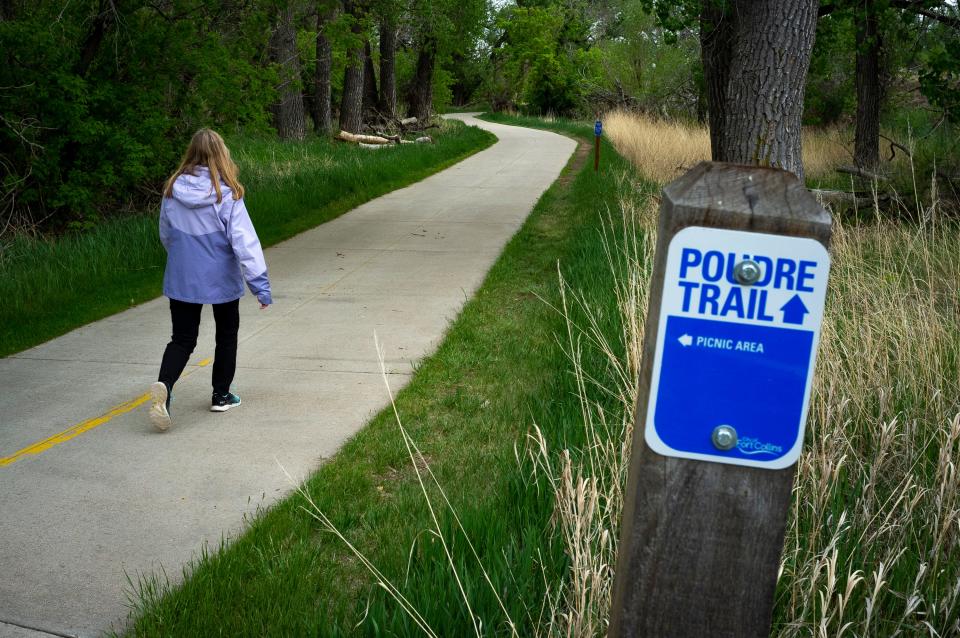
(731, 333)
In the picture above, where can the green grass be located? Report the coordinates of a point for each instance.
(52, 286)
(499, 370)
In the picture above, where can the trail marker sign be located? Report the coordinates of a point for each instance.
(597, 132)
(732, 355)
(733, 320)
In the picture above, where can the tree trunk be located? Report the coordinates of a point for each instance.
(370, 97)
(717, 36)
(322, 122)
(869, 93)
(421, 91)
(768, 71)
(289, 117)
(93, 38)
(351, 105)
(388, 68)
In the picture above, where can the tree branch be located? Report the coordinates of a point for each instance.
(918, 7)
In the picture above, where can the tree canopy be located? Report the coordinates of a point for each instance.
(99, 96)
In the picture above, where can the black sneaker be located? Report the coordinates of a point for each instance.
(223, 402)
(160, 406)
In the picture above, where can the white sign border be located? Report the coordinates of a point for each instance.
(650, 432)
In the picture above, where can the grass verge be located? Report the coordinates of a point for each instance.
(500, 368)
(872, 538)
(52, 286)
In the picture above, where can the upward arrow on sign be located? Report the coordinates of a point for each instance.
(794, 310)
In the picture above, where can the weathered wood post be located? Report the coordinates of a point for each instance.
(731, 334)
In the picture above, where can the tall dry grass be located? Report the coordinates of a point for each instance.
(872, 541)
(665, 149)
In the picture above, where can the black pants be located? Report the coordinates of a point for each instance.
(186, 326)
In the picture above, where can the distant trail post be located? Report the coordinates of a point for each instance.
(736, 300)
(597, 131)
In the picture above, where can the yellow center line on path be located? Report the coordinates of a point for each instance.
(84, 426)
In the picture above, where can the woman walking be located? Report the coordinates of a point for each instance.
(212, 248)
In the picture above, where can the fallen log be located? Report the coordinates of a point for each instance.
(364, 139)
(861, 172)
(373, 146)
(843, 197)
(393, 138)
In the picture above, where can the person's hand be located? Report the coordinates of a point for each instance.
(264, 306)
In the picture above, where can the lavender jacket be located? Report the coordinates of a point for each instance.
(211, 248)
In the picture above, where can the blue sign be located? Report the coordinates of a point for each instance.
(597, 128)
(735, 357)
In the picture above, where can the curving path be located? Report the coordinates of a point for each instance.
(89, 493)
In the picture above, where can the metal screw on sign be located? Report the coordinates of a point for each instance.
(747, 272)
(724, 437)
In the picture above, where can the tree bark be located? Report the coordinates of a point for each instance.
(322, 121)
(717, 36)
(370, 97)
(768, 71)
(869, 92)
(388, 68)
(289, 116)
(351, 104)
(421, 90)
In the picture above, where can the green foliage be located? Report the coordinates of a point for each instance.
(540, 61)
(940, 79)
(830, 92)
(650, 68)
(100, 97)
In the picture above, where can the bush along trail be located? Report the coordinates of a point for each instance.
(54, 285)
(494, 561)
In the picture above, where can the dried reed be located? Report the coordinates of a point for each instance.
(872, 540)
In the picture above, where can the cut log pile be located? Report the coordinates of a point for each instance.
(380, 138)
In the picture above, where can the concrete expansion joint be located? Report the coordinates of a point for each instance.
(35, 629)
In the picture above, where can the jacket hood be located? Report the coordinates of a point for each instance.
(196, 191)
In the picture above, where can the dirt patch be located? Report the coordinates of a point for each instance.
(580, 157)
(384, 480)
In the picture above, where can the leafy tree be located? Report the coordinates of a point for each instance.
(442, 29)
(540, 49)
(940, 79)
(99, 97)
(830, 84)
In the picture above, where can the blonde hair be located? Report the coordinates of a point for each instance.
(207, 149)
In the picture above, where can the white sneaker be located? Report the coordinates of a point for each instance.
(160, 406)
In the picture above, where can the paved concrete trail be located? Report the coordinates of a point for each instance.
(110, 497)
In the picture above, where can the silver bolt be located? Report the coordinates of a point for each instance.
(724, 437)
(747, 272)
